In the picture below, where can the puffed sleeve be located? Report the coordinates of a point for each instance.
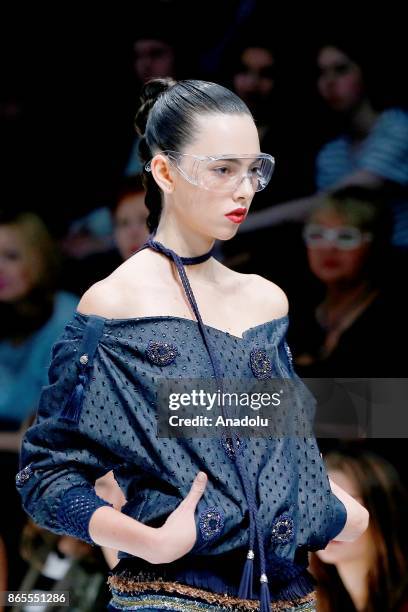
(66, 450)
(327, 514)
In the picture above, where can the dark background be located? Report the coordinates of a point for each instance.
(70, 69)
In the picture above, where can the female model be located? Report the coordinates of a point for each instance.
(209, 524)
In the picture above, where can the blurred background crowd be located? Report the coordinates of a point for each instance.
(330, 104)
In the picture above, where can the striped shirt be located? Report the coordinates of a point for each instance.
(384, 152)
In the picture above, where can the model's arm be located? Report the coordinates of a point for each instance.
(357, 515)
(109, 527)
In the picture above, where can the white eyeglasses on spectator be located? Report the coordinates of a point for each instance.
(344, 237)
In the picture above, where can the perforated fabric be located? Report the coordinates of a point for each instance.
(117, 430)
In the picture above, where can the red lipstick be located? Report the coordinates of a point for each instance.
(237, 215)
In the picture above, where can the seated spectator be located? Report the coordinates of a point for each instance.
(355, 306)
(127, 219)
(371, 573)
(371, 146)
(33, 313)
(259, 77)
(155, 55)
(264, 80)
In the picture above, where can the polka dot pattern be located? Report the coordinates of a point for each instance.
(117, 430)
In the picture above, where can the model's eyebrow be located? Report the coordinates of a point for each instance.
(237, 161)
(227, 159)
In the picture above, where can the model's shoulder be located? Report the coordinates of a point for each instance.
(123, 294)
(274, 297)
(104, 299)
(261, 294)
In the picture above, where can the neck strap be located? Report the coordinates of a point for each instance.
(186, 261)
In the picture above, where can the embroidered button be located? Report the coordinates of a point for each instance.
(283, 529)
(83, 359)
(24, 475)
(228, 445)
(211, 523)
(260, 364)
(161, 353)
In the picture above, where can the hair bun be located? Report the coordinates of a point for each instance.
(151, 91)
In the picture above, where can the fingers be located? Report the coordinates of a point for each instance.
(197, 489)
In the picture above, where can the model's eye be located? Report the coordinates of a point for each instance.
(222, 170)
(256, 171)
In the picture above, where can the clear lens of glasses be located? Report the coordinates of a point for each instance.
(346, 237)
(225, 173)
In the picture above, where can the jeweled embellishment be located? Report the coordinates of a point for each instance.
(228, 445)
(289, 353)
(283, 529)
(24, 475)
(211, 523)
(161, 353)
(260, 364)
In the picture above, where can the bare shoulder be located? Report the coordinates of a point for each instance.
(118, 295)
(266, 297)
(104, 298)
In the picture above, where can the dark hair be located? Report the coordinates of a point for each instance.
(166, 121)
(375, 63)
(386, 500)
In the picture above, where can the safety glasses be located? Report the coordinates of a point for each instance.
(223, 173)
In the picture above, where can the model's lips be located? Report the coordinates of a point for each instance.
(237, 215)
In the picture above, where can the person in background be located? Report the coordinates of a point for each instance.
(260, 77)
(129, 217)
(33, 313)
(263, 78)
(369, 574)
(368, 146)
(155, 55)
(355, 301)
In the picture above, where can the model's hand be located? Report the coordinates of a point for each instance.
(177, 536)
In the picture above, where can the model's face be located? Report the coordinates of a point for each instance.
(341, 81)
(18, 265)
(254, 81)
(362, 548)
(331, 264)
(130, 224)
(153, 59)
(205, 211)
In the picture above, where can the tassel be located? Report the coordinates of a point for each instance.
(72, 409)
(245, 586)
(265, 600)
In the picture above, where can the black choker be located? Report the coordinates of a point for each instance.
(187, 261)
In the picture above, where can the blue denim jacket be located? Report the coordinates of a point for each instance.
(112, 367)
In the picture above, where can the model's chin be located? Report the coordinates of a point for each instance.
(227, 232)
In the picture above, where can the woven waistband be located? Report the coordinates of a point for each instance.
(123, 588)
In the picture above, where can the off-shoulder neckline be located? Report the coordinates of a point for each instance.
(132, 320)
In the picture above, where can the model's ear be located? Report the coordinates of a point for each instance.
(162, 174)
